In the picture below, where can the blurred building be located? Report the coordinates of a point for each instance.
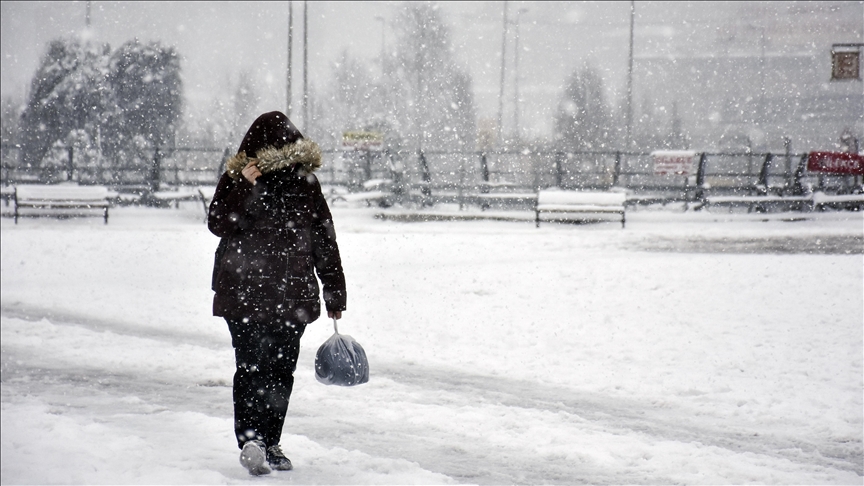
(756, 74)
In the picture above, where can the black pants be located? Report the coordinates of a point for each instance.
(266, 355)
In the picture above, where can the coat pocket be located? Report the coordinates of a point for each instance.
(217, 262)
(300, 278)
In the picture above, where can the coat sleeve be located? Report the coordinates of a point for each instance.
(228, 210)
(328, 262)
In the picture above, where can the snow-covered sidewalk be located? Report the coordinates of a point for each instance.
(688, 348)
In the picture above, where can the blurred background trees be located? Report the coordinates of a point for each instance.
(115, 103)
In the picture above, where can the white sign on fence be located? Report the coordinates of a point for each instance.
(674, 162)
(360, 140)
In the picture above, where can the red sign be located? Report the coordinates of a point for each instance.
(836, 163)
(677, 162)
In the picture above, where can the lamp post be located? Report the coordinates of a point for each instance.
(503, 63)
(305, 66)
(383, 24)
(288, 91)
(629, 141)
(516, 130)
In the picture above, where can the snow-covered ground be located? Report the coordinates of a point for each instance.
(687, 348)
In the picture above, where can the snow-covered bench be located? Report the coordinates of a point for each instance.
(204, 194)
(755, 201)
(178, 195)
(379, 197)
(498, 195)
(378, 191)
(7, 193)
(579, 202)
(821, 200)
(486, 200)
(62, 199)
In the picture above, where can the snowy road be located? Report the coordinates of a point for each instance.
(481, 440)
(114, 395)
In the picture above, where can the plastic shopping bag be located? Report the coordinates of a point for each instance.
(341, 361)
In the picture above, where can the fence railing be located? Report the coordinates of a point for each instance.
(435, 173)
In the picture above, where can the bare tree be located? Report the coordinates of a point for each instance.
(583, 120)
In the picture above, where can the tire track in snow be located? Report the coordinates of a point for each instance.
(57, 317)
(621, 414)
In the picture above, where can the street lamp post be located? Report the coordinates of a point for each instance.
(383, 24)
(516, 130)
(630, 78)
(305, 66)
(288, 90)
(503, 63)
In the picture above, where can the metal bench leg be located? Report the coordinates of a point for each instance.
(537, 219)
(204, 203)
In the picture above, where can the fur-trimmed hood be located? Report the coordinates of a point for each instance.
(304, 152)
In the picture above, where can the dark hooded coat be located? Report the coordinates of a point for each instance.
(276, 234)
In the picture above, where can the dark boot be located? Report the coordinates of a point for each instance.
(277, 459)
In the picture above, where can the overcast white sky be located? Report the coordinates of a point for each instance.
(219, 40)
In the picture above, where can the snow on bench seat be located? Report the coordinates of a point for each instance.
(382, 198)
(580, 202)
(51, 199)
(754, 199)
(507, 196)
(182, 193)
(820, 199)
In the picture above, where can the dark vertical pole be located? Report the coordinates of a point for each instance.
(421, 67)
(426, 190)
(762, 67)
(630, 77)
(70, 163)
(559, 169)
(762, 186)
(156, 170)
(306, 123)
(763, 174)
(787, 146)
(538, 176)
(288, 90)
(700, 178)
(461, 192)
(516, 132)
(617, 174)
(797, 188)
(501, 90)
(368, 168)
(484, 172)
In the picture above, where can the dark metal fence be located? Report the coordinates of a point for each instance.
(441, 176)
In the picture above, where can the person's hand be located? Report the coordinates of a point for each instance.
(334, 314)
(251, 172)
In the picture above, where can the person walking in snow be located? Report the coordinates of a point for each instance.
(276, 233)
